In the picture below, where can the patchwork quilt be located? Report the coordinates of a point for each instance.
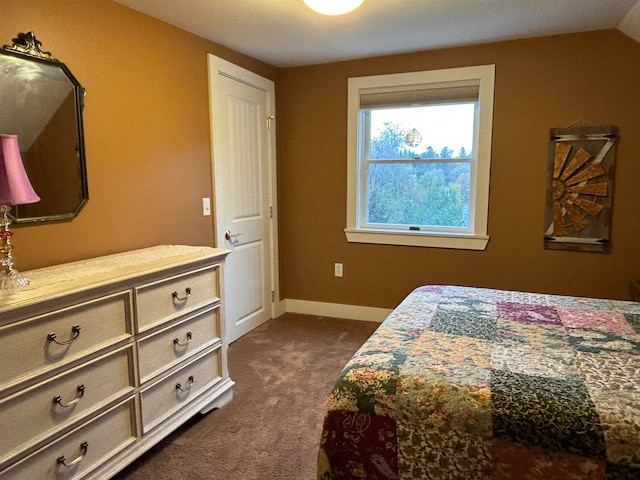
(470, 383)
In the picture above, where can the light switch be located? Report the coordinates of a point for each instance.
(206, 207)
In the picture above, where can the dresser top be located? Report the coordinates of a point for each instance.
(60, 280)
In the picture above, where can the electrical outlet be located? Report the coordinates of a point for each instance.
(338, 270)
(206, 207)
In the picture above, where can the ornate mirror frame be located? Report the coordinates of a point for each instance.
(43, 104)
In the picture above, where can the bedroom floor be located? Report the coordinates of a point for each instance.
(284, 371)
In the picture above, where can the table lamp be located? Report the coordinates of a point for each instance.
(15, 189)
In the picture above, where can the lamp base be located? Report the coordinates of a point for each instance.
(10, 278)
(12, 281)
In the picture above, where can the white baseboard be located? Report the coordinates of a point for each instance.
(336, 310)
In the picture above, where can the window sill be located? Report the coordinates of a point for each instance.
(462, 242)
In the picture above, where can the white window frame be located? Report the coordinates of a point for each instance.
(474, 238)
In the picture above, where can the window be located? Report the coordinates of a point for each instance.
(419, 153)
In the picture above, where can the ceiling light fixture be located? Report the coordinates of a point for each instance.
(333, 7)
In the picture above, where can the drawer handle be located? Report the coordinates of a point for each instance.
(84, 446)
(76, 333)
(183, 299)
(80, 392)
(176, 341)
(183, 390)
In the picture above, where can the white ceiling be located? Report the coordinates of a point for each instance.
(285, 33)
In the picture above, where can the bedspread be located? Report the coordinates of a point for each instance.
(470, 383)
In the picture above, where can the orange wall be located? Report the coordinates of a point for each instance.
(148, 154)
(146, 127)
(540, 84)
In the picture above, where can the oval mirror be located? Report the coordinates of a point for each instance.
(41, 102)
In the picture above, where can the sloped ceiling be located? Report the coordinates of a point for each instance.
(285, 33)
(630, 24)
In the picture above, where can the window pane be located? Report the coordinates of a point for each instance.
(443, 131)
(419, 194)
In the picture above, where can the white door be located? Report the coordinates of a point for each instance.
(243, 135)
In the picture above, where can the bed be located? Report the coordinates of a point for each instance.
(471, 383)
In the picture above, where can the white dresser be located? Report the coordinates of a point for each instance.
(101, 359)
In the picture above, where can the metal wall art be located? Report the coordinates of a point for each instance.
(580, 188)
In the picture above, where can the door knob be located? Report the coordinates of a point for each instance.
(229, 236)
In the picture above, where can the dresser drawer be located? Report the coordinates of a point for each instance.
(160, 301)
(31, 415)
(168, 347)
(161, 400)
(40, 344)
(88, 445)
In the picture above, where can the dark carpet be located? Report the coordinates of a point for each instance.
(284, 371)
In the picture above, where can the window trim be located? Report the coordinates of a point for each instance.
(478, 238)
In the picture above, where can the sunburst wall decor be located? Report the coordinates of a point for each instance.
(580, 188)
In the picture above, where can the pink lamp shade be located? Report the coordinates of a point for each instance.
(15, 188)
